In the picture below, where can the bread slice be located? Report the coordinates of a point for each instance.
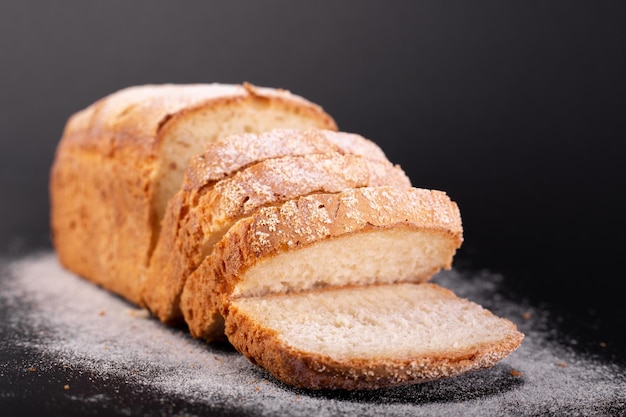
(359, 236)
(121, 159)
(186, 240)
(226, 156)
(368, 337)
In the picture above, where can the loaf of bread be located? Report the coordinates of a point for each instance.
(121, 159)
(244, 212)
(275, 167)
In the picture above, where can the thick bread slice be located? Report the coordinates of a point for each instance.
(185, 242)
(368, 337)
(228, 155)
(356, 237)
(122, 158)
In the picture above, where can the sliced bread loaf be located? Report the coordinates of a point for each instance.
(304, 246)
(368, 337)
(121, 159)
(359, 236)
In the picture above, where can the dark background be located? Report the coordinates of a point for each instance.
(516, 109)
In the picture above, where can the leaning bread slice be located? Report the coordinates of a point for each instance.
(359, 236)
(122, 158)
(368, 337)
(228, 155)
(185, 241)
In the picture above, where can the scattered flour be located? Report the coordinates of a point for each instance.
(80, 326)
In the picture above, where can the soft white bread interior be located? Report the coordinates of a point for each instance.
(197, 220)
(122, 158)
(368, 337)
(359, 236)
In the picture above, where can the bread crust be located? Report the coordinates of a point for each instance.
(195, 221)
(302, 222)
(102, 182)
(311, 370)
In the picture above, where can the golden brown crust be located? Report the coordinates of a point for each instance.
(305, 221)
(308, 219)
(311, 370)
(102, 185)
(93, 222)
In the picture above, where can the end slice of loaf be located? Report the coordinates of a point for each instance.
(186, 240)
(369, 336)
(122, 158)
(359, 236)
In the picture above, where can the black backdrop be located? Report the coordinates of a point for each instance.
(516, 109)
